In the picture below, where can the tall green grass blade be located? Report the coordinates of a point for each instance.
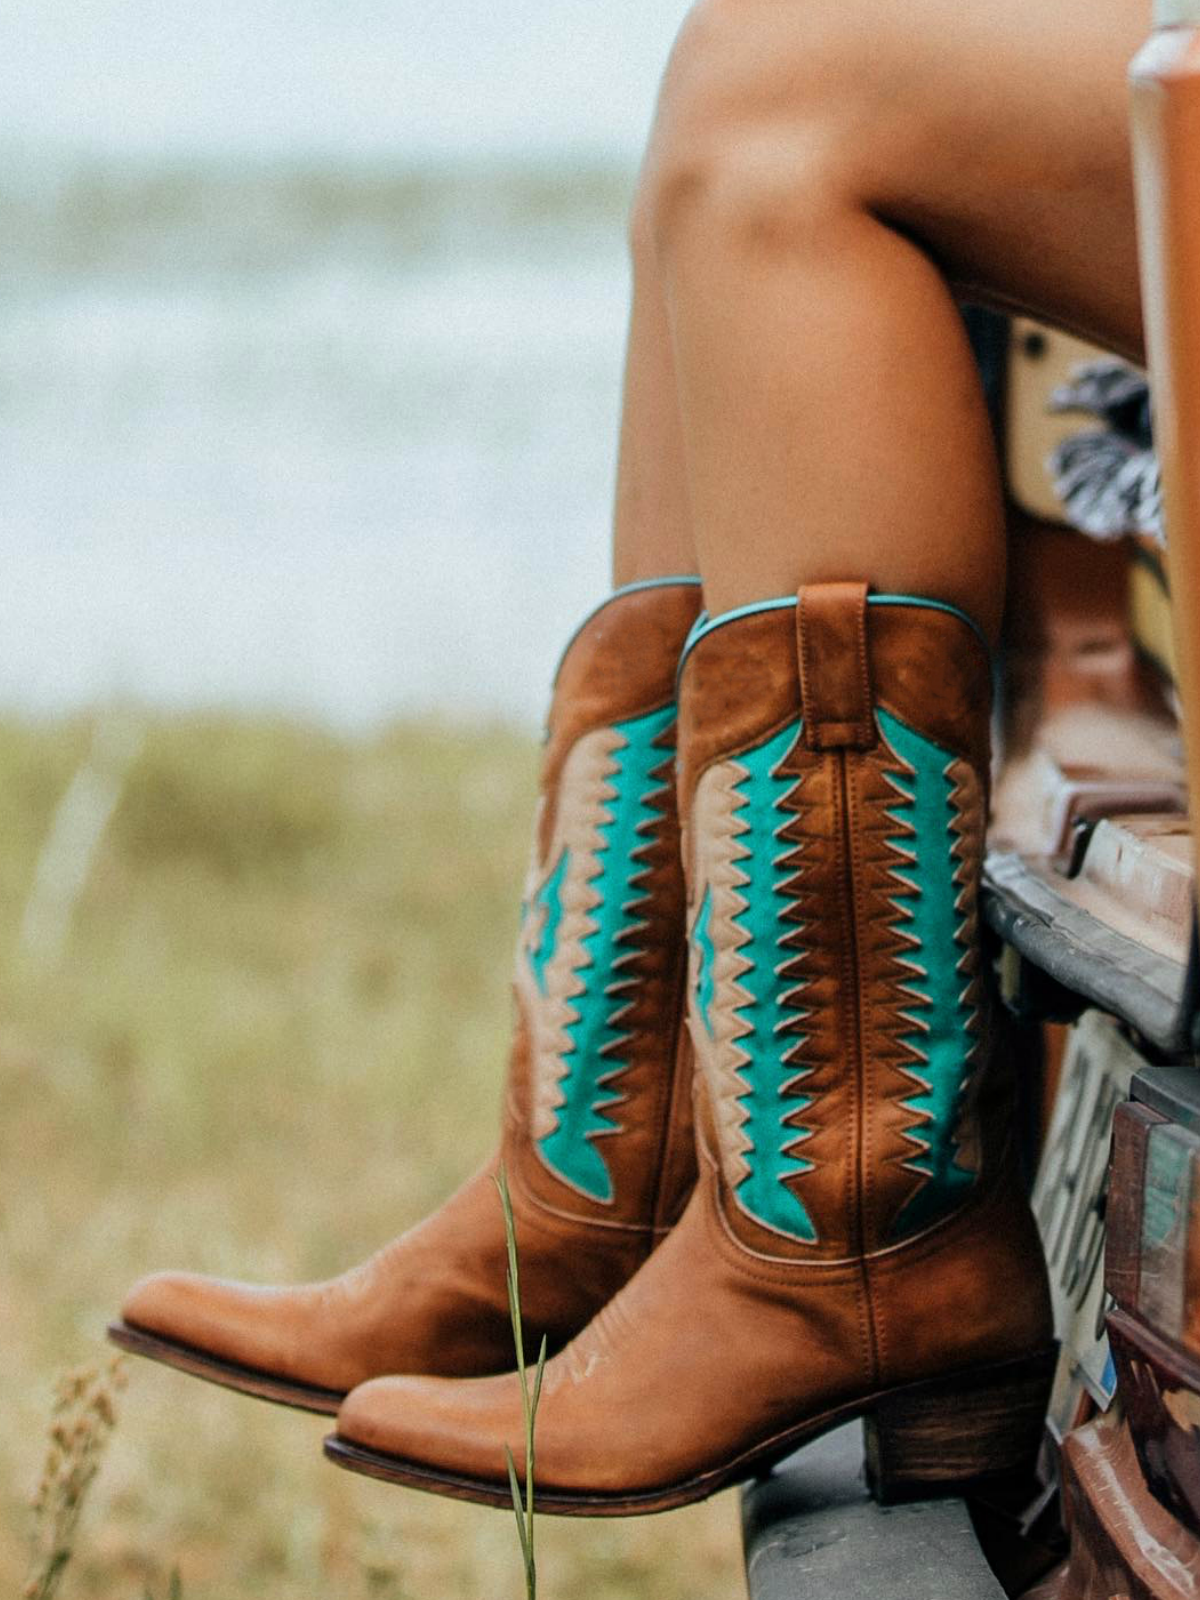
(518, 1506)
(537, 1382)
(529, 1402)
(513, 1281)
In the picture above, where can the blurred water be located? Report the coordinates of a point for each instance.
(300, 408)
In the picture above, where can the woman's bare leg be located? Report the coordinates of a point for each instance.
(652, 531)
(820, 171)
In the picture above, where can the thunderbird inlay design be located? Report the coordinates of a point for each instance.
(577, 965)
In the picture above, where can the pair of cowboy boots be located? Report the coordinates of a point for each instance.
(758, 843)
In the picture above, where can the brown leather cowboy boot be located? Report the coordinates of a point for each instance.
(858, 1244)
(597, 1137)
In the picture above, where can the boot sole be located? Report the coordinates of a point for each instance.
(228, 1374)
(944, 1436)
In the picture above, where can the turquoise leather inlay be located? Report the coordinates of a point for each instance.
(705, 960)
(763, 1193)
(549, 896)
(928, 896)
(593, 1056)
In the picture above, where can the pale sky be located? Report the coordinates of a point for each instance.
(351, 76)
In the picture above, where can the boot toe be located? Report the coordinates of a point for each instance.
(173, 1305)
(233, 1322)
(459, 1427)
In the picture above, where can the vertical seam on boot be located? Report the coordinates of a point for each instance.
(853, 1009)
(677, 1008)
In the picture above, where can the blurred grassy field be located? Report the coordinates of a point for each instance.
(274, 1037)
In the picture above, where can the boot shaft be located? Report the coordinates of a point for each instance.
(833, 773)
(597, 1125)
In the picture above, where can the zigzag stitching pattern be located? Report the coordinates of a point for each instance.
(620, 991)
(910, 1058)
(730, 1090)
(780, 863)
(796, 968)
(622, 987)
(964, 849)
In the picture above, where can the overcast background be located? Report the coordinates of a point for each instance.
(311, 319)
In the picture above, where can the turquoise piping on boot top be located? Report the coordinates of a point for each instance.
(704, 624)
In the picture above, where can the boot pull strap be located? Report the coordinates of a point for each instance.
(835, 673)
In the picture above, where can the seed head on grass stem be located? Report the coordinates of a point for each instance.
(81, 1424)
(530, 1397)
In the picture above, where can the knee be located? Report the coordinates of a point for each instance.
(750, 142)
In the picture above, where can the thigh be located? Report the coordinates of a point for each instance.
(994, 132)
(1013, 161)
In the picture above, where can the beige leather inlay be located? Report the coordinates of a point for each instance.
(901, 1013)
(584, 796)
(715, 873)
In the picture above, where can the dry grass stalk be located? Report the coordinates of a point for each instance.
(82, 1422)
(76, 833)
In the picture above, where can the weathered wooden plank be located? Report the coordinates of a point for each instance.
(1122, 1251)
(1088, 960)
